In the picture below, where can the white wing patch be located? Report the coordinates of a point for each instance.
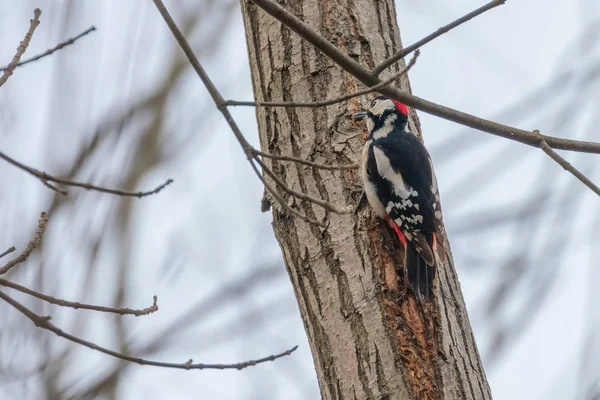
(403, 205)
(434, 184)
(413, 220)
(369, 187)
(434, 189)
(386, 171)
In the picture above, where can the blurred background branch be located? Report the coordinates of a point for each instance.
(53, 49)
(8, 71)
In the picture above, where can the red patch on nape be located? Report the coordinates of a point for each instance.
(402, 109)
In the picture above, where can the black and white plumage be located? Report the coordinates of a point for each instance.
(401, 186)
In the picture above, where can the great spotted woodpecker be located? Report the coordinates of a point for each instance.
(401, 186)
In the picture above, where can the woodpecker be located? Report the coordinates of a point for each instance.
(400, 184)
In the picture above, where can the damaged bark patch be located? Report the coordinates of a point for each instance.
(413, 323)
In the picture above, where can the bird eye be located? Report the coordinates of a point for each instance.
(374, 102)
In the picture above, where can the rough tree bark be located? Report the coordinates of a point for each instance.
(369, 338)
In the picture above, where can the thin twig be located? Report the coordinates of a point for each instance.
(301, 195)
(44, 323)
(10, 250)
(305, 162)
(77, 305)
(327, 102)
(282, 201)
(407, 50)
(47, 178)
(55, 48)
(367, 78)
(22, 47)
(567, 165)
(220, 103)
(37, 237)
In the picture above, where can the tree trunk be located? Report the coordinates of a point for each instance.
(369, 338)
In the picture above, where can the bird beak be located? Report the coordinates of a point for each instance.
(359, 116)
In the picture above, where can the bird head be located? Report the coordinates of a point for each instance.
(384, 113)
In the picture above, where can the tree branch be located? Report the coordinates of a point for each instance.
(22, 47)
(54, 49)
(76, 305)
(46, 178)
(39, 232)
(349, 65)
(306, 162)
(367, 78)
(567, 165)
(220, 103)
(44, 323)
(301, 195)
(328, 102)
(212, 90)
(407, 50)
(282, 201)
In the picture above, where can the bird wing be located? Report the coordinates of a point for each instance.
(411, 196)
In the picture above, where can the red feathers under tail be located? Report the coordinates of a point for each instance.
(420, 274)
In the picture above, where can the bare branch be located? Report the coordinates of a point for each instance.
(39, 232)
(55, 48)
(44, 323)
(557, 143)
(367, 78)
(349, 65)
(47, 178)
(76, 305)
(567, 165)
(22, 47)
(305, 162)
(212, 90)
(417, 45)
(10, 250)
(301, 195)
(328, 102)
(282, 201)
(220, 103)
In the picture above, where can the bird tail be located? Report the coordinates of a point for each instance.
(420, 274)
